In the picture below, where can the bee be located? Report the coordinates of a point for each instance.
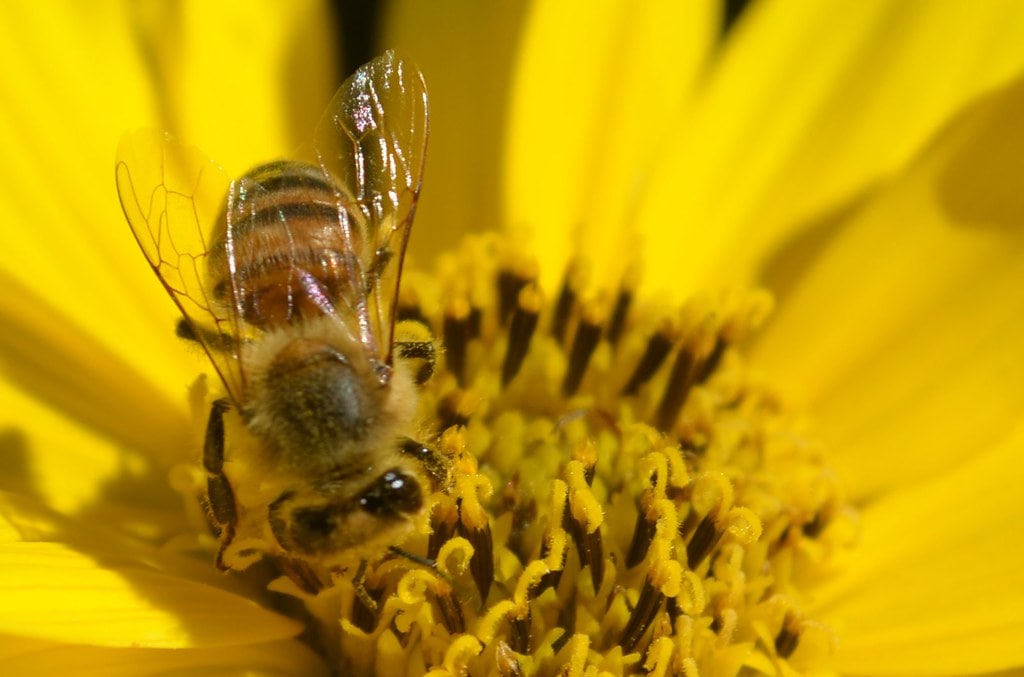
(290, 285)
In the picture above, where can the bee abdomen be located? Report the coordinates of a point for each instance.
(283, 246)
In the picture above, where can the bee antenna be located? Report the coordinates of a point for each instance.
(418, 559)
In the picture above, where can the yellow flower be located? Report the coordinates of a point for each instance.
(858, 160)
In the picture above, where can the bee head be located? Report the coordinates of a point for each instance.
(381, 510)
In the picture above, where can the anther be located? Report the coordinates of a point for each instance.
(813, 528)
(521, 328)
(519, 633)
(475, 322)
(457, 333)
(567, 621)
(443, 527)
(588, 333)
(658, 347)
(622, 305)
(451, 611)
(566, 303)
(702, 542)
(481, 564)
(679, 382)
(456, 408)
(559, 515)
(687, 371)
(524, 512)
(506, 661)
(511, 280)
(788, 637)
(643, 613)
(409, 307)
(551, 578)
(583, 519)
(591, 552)
(710, 363)
(643, 534)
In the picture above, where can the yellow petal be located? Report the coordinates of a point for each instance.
(904, 334)
(596, 88)
(50, 591)
(467, 74)
(66, 464)
(79, 88)
(238, 79)
(810, 103)
(48, 357)
(288, 657)
(936, 584)
(880, 112)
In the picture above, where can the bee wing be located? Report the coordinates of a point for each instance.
(372, 142)
(168, 192)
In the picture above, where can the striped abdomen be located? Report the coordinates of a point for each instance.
(291, 255)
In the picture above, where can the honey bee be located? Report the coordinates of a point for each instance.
(293, 297)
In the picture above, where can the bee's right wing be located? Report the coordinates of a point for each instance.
(172, 196)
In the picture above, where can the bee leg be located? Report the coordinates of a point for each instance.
(220, 498)
(359, 586)
(419, 350)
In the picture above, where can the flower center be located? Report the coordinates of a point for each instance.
(623, 494)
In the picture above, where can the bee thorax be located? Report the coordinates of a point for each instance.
(319, 406)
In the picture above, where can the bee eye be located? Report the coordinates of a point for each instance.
(393, 492)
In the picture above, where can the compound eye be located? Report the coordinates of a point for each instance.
(393, 492)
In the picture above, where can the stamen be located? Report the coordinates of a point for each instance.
(553, 548)
(588, 332)
(457, 332)
(512, 277)
(584, 524)
(622, 304)
(524, 512)
(643, 533)
(524, 322)
(474, 524)
(409, 307)
(684, 375)
(703, 541)
(567, 621)
(643, 613)
(619, 312)
(789, 636)
(456, 408)
(507, 662)
(475, 322)
(443, 526)
(658, 347)
(568, 296)
(519, 633)
(481, 565)
(451, 610)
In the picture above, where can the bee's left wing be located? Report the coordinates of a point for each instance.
(171, 195)
(372, 142)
